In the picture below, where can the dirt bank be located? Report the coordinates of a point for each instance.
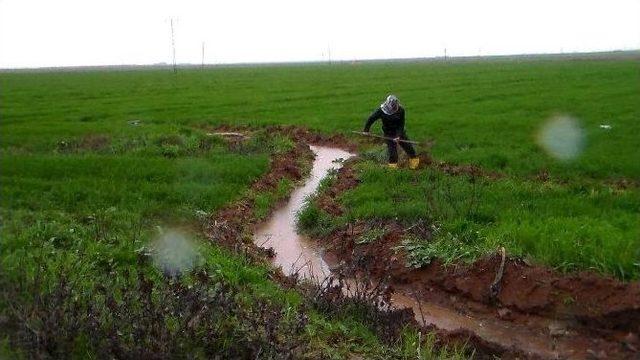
(295, 253)
(234, 226)
(583, 314)
(299, 134)
(538, 312)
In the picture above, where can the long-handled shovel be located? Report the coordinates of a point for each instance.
(429, 143)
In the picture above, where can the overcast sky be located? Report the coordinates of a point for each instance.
(36, 33)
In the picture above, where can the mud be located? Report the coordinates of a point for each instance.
(299, 256)
(538, 312)
(233, 225)
(230, 225)
(297, 133)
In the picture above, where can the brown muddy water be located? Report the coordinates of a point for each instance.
(295, 253)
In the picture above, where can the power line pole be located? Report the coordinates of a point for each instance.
(203, 54)
(173, 46)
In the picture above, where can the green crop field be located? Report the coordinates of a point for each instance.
(94, 165)
(79, 221)
(92, 220)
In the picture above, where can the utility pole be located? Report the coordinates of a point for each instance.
(329, 53)
(203, 54)
(173, 46)
(445, 54)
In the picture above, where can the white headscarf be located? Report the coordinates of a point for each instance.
(390, 105)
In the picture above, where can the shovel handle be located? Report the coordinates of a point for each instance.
(385, 137)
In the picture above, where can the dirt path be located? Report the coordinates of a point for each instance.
(515, 331)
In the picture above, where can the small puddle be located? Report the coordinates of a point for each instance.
(295, 253)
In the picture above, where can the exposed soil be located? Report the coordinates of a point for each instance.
(538, 312)
(230, 225)
(233, 226)
(582, 315)
(237, 220)
(299, 134)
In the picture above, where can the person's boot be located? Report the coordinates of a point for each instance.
(392, 166)
(414, 162)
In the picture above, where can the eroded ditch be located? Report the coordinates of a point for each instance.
(297, 254)
(531, 335)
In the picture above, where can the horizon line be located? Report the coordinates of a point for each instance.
(321, 61)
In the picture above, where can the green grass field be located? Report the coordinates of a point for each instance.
(484, 112)
(570, 227)
(78, 223)
(93, 162)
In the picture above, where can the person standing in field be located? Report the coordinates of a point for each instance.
(392, 115)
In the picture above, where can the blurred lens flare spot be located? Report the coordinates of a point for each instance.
(562, 137)
(174, 253)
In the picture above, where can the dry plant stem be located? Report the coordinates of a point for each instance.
(417, 300)
(495, 285)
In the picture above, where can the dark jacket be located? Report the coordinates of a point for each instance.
(392, 125)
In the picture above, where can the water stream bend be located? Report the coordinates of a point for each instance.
(295, 253)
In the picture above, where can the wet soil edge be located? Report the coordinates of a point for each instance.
(232, 226)
(600, 306)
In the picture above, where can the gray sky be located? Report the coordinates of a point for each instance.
(36, 33)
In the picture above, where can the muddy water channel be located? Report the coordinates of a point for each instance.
(295, 253)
